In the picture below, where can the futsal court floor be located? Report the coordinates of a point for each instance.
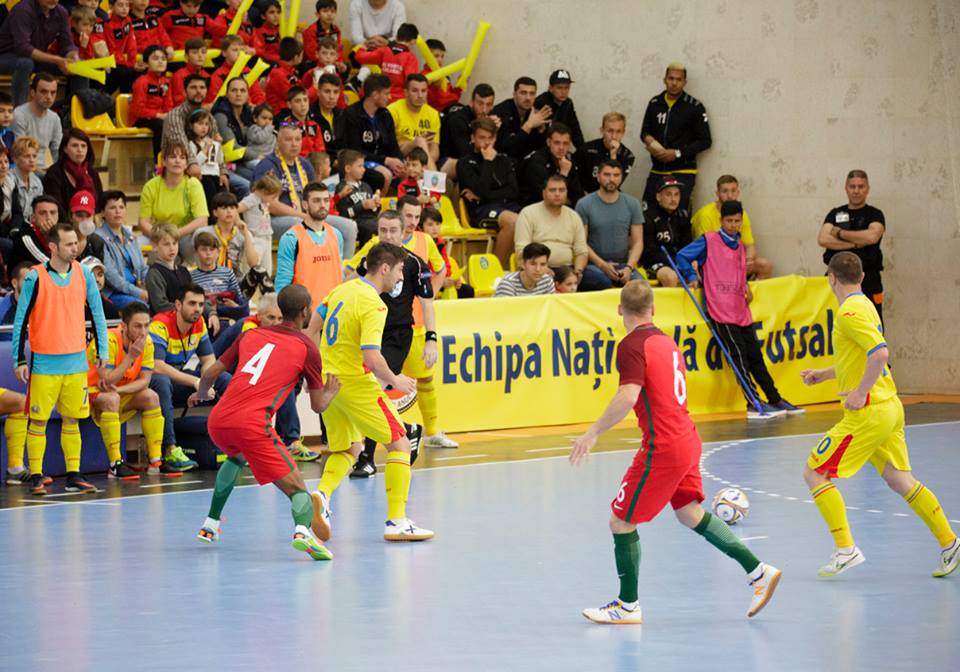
(119, 582)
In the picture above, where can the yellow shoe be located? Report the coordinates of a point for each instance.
(614, 614)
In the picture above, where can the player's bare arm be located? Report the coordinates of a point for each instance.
(320, 398)
(876, 363)
(176, 375)
(817, 376)
(430, 324)
(374, 361)
(205, 391)
(616, 410)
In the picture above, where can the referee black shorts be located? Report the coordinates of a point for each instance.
(395, 347)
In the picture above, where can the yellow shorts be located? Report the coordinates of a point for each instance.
(125, 413)
(361, 409)
(67, 393)
(873, 433)
(413, 365)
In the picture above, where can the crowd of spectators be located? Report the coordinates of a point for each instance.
(522, 168)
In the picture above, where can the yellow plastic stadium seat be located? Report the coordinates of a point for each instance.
(388, 203)
(455, 274)
(98, 125)
(484, 271)
(123, 114)
(466, 229)
(513, 262)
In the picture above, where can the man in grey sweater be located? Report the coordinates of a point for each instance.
(35, 119)
(175, 123)
(373, 23)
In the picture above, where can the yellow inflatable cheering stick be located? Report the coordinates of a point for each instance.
(92, 68)
(478, 39)
(235, 71)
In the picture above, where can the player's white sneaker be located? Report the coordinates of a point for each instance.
(210, 532)
(439, 440)
(614, 613)
(763, 588)
(321, 516)
(404, 529)
(841, 562)
(949, 559)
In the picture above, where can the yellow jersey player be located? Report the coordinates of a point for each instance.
(350, 321)
(871, 428)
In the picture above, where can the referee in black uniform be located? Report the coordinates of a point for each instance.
(398, 329)
(857, 227)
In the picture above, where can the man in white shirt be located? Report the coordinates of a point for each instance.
(373, 23)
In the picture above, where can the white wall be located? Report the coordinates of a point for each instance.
(798, 93)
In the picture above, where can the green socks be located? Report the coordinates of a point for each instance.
(302, 507)
(719, 535)
(227, 477)
(626, 550)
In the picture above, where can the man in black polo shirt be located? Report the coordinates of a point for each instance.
(455, 122)
(608, 147)
(521, 124)
(554, 159)
(857, 227)
(675, 130)
(368, 128)
(557, 98)
(326, 113)
(666, 224)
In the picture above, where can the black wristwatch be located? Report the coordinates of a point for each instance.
(431, 336)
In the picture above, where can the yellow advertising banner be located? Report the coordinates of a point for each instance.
(534, 361)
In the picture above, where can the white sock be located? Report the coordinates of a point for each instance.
(304, 530)
(629, 606)
(211, 523)
(756, 573)
(16, 470)
(846, 550)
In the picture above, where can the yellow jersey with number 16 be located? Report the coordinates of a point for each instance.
(856, 334)
(353, 317)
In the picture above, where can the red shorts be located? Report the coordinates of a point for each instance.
(649, 485)
(263, 449)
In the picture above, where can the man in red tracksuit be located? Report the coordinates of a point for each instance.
(396, 60)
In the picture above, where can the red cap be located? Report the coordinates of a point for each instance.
(83, 201)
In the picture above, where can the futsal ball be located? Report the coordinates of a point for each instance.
(730, 505)
(402, 401)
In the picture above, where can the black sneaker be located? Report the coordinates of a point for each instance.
(37, 487)
(22, 477)
(75, 483)
(122, 471)
(413, 435)
(364, 468)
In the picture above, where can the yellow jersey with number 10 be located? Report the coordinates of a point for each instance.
(856, 334)
(353, 317)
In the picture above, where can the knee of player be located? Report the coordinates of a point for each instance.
(148, 398)
(109, 401)
(813, 478)
(618, 526)
(900, 482)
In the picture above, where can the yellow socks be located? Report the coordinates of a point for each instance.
(15, 430)
(335, 470)
(427, 400)
(830, 502)
(36, 444)
(110, 431)
(152, 424)
(924, 503)
(70, 442)
(396, 476)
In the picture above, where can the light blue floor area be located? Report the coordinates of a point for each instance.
(521, 548)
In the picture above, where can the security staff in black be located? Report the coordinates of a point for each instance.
(608, 147)
(857, 227)
(368, 128)
(398, 332)
(455, 122)
(674, 131)
(522, 124)
(554, 159)
(557, 98)
(665, 224)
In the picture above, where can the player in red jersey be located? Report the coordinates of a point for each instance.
(268, 363)
(666, 469)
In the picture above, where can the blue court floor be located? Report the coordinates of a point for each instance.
(521, 548)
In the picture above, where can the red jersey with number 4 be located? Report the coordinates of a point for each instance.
(650, 358)
(269, 361)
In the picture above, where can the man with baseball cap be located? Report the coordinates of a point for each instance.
(667, 225)
(557, 98)
(83, 206)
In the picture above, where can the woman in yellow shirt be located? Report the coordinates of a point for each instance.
(174, 198)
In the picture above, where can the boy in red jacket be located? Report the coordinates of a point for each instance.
(86, 33)
(122, 43)
(230, 49)
(284, 76)
(152, 100)
(147, 28)
(323, 27)
(220, 24)
(185, 23)
(437, 98)
(195, 52)
(298, 111)
(396, 60)
(266, 38)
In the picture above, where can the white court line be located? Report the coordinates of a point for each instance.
(103, 502)
(40, 501)
(500, 435)
(754, 538)
(460, 466)
(458, 457)
(173, 482)
(72, 494)
(547, 450)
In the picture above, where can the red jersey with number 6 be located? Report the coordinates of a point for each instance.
(648, 357)
(269, 361)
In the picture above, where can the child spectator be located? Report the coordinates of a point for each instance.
(255, 210)
(220, 24)
(185, 23)
(121, 41)
(431, 222)
(165, 278)
(721, 258)
(396, 60)
(284, 76)
(152, 98)
(208, 152)
(147, 28)
(83, 24)
(324, 27)
(327, 64)
(298, 113)
(533, 277)
(94, 6)
(195, 53)
(266, 38)
(220, 286)
(355, 199)
(437, 98)
(326, 111)
(321, 165)
(238, 250)
(110, 310)
(230, 48)
(26, 183)
(565, 280)
(262, 136)
(413, 165)
(6, 121)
